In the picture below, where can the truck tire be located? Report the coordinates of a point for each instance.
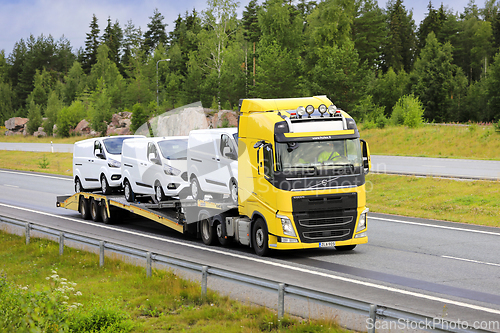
(159, 194)
(196, 191)
(260, 238)
(78, 186)
(220, 231)
(95, 210)
(84, 208)
(105, 186)
(104, 213)
(345, 248)
(127, 189)
(207, 232)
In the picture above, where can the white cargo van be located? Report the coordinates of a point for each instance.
(213, 163)
(155, 166)
(96, 163)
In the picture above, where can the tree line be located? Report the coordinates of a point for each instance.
(363, 57)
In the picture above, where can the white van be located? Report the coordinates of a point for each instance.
(155, 166)
(97, 163)
(213, 163)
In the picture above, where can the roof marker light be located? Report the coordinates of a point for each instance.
(322, 109)
(309, 110)
(301, 111)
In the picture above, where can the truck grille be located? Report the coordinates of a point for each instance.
(325, 218)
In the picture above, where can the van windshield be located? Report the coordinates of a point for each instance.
(173, 149)
(114, 145)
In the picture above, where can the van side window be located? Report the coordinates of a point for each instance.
(152, 152)
(97, 148)
(227, 148)
(268, 161)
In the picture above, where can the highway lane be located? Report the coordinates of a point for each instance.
(415, 263)
(38, 147)
(440, 167)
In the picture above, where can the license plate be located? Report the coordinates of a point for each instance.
(327, 244)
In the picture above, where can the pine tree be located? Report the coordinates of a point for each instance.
(113, 37)
(155, 34)
(91, 46)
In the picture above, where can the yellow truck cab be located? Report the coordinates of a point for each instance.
(301, 175)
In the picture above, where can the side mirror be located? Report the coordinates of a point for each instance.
(152, 158)
(367, 161)
(101, 156)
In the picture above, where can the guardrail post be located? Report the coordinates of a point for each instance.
(101, 253)
(373, 318)
(61, 243)
(148, 264)
(28, 230)
(281, 300)
(204, 281)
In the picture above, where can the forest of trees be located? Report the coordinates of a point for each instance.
(363, 57)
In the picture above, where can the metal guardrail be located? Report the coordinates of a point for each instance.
(373, 312)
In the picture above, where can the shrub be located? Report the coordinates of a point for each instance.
(497, 126)
(35, 118)
(408, 111)
(69, 117)
(369, 113)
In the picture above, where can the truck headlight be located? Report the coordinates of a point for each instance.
(171, 171)
(287, 226)
(362, 221)
(114, 163)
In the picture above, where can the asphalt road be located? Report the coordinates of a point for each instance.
(424, 166)
(435, 268)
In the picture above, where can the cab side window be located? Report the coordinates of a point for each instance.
(98, 149)
(227, 148)
(268, 161)
(152, 153)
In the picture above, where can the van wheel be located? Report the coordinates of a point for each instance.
(104, 213)
(129, 194)
(345, 248)
(233, 191)
(84, 208)
(220, 230)
(207, 232)
(260, 238)
(159, 194)
(196, 191)
(105, 185)
(95, 210)
(78, 186)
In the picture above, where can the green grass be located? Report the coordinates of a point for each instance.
(473, 202)
(32, 139)
(54, 163)
(122, 293)
(472, 142)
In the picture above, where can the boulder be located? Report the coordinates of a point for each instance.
(16, 124)
(223, 118)
(82, 128)
(40, 132)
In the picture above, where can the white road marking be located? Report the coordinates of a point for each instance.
(36, 175)
(14, 186)
(436, 226)
(262, 261)
(473, 261)
(434, 166)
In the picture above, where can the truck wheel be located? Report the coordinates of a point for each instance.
(207, 232)
(233, 190)
(95, 210)
(196, 191)
(220, 230)
(105, 185)
(345, 248)
(78, 186)
(159, 194)
(104, 213)
(84, 208)
(129, 194)
(260, 238)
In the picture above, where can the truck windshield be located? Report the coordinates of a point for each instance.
(114, 145)
(173, 149)
(330, 156)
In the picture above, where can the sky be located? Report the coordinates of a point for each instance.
(20, 18)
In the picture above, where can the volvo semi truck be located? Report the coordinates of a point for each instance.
(301, 183)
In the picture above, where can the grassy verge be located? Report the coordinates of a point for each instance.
(469, 142)
(474, 202)
(117, 297)
(55, 163)
(32, 139)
